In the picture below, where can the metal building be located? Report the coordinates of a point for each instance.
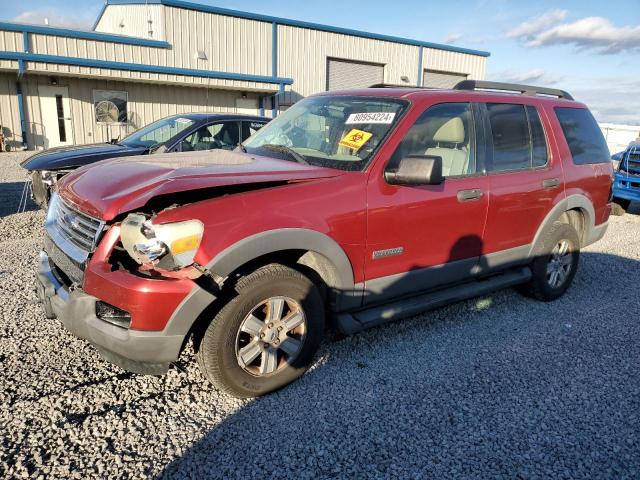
(146, 59)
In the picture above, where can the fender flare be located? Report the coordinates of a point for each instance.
(272, 241)
(571, 202)
(255, 246)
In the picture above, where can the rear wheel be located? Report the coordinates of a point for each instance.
(555, 263)
(266, 336)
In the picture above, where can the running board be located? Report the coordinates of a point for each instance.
(378, 315)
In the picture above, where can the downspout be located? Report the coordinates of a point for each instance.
(420, 81)
(21, 70)
(274, 67)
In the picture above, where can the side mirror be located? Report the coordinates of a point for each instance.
(417, 170)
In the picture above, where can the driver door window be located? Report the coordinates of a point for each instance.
(445, 131)
(225, 136)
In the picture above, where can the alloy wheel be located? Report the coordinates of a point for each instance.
(560, 264)
(271, 336)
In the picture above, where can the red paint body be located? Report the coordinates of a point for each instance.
(359, 210)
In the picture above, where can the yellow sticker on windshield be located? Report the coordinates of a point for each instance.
(355, 139)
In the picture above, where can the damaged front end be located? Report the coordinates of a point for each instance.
(168, 247)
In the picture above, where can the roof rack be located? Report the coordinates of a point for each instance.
(512, 87)
(392, 85)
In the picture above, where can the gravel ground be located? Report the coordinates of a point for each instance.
(500, 386)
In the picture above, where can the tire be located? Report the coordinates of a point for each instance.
(621, 204)
(549, 257)
(230, 340)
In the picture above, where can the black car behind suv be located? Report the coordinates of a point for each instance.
(177, 133)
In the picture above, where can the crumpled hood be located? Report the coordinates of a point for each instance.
(69, 157)
(111, 187)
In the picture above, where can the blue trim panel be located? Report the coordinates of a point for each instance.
(137, 67)
(297, 23)
(420, 81)
(23, 120)
(65, 32)
(274, 49)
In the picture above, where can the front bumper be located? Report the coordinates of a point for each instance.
(626, 186)
(147, 352)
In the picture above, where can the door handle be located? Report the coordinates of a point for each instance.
(467, 195)
(551, 183)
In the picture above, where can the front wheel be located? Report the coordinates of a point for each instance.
(555, 263)
(266, 336)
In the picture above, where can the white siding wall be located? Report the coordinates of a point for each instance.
(134, 20)
(11, 42)
(146, 103)
(231, 44)
(9, 114)
(73, 47)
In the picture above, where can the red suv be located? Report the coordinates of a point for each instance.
(358, 207)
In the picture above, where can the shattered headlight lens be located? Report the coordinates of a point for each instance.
(169, 246)
(49, 178)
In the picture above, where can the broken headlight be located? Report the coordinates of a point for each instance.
(169, 246)
(49, 178)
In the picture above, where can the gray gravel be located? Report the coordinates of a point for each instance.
(500, 386)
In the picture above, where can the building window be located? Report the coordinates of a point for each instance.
(110, 106)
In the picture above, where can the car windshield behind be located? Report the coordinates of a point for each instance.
(157, 133)
(337, 132)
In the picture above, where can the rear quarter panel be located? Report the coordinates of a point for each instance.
(591, 180)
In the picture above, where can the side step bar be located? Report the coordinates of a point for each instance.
(361, 320)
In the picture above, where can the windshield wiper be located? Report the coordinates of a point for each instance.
(287, 151)
(242, 147)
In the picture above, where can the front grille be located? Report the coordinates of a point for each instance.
(631, 160)
(62, 264)
(79, 229)
(71, 237)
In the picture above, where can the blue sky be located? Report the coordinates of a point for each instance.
(590, 48)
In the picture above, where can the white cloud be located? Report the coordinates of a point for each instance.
(56, 19)
(609, 99)
(592, 33)
(538, 24)
(536, 76)
(452, 37)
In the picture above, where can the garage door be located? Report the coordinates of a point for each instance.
(438, 79)
(349, 74)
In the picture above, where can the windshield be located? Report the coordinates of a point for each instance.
(337, 132)
(157, 133)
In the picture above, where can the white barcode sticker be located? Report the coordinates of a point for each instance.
(371, 117)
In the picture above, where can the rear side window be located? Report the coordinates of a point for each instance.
(539, 153)
(585, 139)
(511, 140)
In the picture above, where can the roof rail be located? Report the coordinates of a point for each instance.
(393, 85)
(512, 87)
